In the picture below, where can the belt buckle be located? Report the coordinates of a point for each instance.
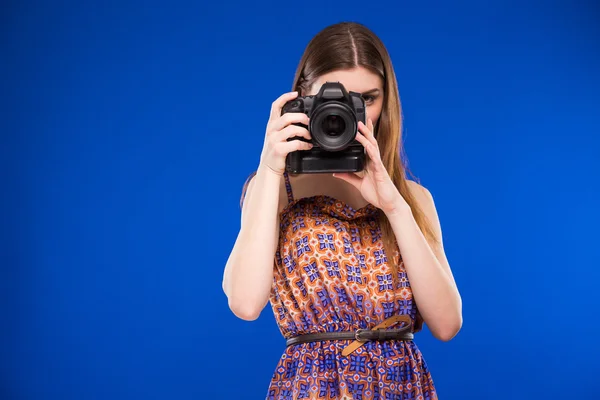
(357, 335)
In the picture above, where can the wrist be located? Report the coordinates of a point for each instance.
(265, 169)
(400, 210)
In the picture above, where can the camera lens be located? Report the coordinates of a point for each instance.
(333, 125)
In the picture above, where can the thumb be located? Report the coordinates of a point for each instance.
(351, 178)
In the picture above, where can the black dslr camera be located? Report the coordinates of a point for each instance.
(334, 114)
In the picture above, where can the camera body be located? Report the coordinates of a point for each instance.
(334, 114)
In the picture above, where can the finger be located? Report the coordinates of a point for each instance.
(370, 148)
(351, 178)
(284, 148)
(280, 102)
(293, 130)
(362, 139)
(365, 130)
(372, 129)
(288, 119)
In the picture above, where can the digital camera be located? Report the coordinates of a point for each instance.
(334, 114)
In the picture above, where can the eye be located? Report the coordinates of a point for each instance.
(368, 98)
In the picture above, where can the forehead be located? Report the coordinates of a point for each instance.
(356, 80)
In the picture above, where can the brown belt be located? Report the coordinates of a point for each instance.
(360, 336)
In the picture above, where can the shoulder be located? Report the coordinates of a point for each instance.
(425, 201)
(246, 188)
(421, 193)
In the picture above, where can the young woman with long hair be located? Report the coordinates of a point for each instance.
(352, 263)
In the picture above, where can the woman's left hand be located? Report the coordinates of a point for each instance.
(375, 185)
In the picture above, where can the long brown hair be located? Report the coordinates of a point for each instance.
(348, 45)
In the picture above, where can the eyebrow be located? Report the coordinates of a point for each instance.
(371, 91)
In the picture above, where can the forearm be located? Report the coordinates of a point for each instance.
(434, 290)
(249, 271)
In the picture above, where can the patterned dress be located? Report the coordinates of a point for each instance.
(331, 274)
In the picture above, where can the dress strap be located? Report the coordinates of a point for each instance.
(288, 187)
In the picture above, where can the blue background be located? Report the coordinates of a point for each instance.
(128, 129)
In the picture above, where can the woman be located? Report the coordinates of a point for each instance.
(340, 253)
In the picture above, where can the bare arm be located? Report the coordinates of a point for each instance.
(428, 270)
(434, 289)
(248, 273)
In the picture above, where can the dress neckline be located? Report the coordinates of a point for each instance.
(332, 205)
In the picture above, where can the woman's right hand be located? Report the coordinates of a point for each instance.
(279, 129)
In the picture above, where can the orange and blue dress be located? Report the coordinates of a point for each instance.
(331, 273)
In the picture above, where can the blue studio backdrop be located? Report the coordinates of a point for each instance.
(129, 128)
